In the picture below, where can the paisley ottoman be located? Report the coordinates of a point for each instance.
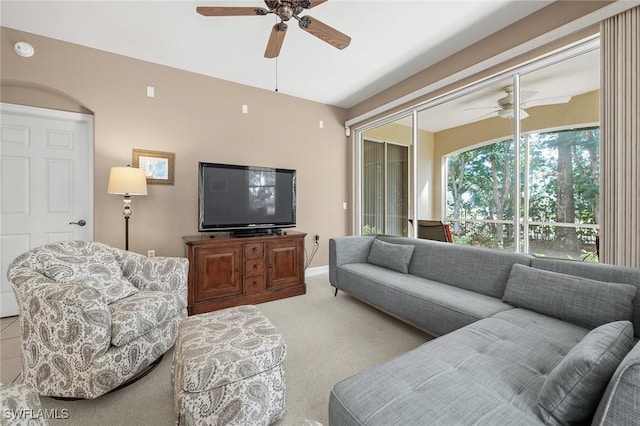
(227, 369)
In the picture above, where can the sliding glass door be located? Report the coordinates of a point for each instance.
(511, 162)
(385, 188)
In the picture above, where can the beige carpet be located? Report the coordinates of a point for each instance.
(328, 339)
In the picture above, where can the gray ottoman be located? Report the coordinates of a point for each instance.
(227, 369)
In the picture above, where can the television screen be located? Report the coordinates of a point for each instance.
(235, 197)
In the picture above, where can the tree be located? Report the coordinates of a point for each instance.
(565, 209)
(501, 172)
(563, 186)
(456, 184)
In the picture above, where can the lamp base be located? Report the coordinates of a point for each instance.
(126, 233)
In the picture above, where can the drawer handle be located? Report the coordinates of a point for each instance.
(255, 266)
(271, 266)
(237, 269)
(255, 249)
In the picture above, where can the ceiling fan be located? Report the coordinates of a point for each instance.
(505, 107)
(285, 10)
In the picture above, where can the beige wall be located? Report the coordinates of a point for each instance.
(199, 119)
(583, 109)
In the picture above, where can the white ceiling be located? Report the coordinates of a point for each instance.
(391, 40)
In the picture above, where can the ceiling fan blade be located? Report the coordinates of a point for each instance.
(488, 115)
(546, 101)
(231, 11)
(324, 32)
(275, 40)
(526, 94)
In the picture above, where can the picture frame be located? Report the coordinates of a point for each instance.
(158, 166)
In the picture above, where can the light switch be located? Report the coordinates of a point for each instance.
(151, 91)
(245, 109)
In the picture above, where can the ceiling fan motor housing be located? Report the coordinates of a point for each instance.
(287, 9)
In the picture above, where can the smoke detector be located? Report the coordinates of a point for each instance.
(24, 49)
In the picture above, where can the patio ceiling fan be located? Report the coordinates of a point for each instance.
(505, 107)
(285, 10)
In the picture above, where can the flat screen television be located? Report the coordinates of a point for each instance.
(245, 198)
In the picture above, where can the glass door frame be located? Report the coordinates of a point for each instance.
(412, 175)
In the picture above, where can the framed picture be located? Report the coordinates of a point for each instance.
(157, 165)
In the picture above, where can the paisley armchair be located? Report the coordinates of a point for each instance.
(92, 317)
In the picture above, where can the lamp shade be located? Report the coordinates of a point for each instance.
(127, 181)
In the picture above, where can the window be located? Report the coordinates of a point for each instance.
(480, 192)
(563, 192)
(559, 211)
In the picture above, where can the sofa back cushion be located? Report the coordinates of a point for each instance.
(476, 269)
(580, 301)
(391, 256)
(571, 392)
(599, 272)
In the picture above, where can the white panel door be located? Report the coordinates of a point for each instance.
(46, 180)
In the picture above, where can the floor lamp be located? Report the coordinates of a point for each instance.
(127, 181)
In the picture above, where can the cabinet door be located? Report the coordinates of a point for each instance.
(218, 272)
(284, 263)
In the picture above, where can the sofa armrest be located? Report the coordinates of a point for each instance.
(344, 250)
(60, 318)
(155, 273)
(619, 404)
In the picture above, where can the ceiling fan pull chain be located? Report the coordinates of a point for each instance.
(276, 63)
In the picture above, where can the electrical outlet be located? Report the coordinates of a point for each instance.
(151, 253)
(317, 237)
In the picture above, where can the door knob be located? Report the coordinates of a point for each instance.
(81, 222)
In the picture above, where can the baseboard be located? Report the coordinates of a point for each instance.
(318, 270)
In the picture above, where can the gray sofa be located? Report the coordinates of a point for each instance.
(523, 340)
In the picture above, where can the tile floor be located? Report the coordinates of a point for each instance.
(10, 350)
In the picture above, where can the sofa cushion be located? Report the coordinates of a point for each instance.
(390, 256)
(553, 328)
(140, 313)
(489, 372)
(587, 303)
(433, 306)
(598, 272)
(85, 263)
(571, 392)
(477, 269)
